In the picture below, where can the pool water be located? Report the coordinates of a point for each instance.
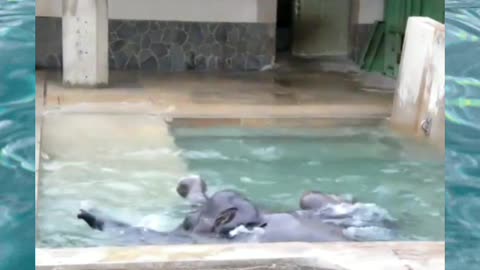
(462, 133)
(131, 174)
(17, 135)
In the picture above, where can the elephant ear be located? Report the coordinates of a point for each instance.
(225, 217)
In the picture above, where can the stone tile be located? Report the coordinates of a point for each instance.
(253, 63)
(126, 30)
(120, 59)
(238, 62)
(114, 25)
(132, 63)
(180, 37)
(146, 41)
(165, 64)
(150, 63)
(196, 35)
(221, 34)
(233, 36)
(156, 36)
(169, 35)
(160, 50)
(118, 45)
(143, 26)
(131, 49)
(178, 58)
(212, 63)
(200, 63)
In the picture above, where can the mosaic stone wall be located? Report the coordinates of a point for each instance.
(171, 46)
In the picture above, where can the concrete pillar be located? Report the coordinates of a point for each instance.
(85, 42)
(419, 99)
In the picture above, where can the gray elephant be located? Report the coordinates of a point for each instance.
(228, 216)
(315, 207)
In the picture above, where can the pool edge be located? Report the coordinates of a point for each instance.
(332, 256)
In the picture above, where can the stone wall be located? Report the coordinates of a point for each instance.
(170, 46)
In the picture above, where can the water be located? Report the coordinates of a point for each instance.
(17, 134)
(131, 173)
(462, 132)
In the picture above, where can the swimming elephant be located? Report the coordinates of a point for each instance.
(316, 207)
(193, 189)
(226, 227)
(126, 234)
(239, 211)
(226, 216)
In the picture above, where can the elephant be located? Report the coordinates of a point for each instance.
(315, 206)
(228, 216)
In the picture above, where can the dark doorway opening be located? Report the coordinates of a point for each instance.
(284, 26)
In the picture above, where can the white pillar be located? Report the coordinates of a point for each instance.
(85, 42)
(419, 99)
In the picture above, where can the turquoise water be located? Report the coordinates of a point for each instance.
(462, 134)
(17, 134)
(271, 166)
(274, 167)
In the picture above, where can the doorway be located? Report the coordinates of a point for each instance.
(321, 28)
(284, 27)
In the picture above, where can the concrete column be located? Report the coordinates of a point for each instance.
(419, 99)
(85, 42)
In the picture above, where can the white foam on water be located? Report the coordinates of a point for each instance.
(390, 171)
(155, 222)
(55, 165)
(152, 153)
(87, 205)
(355, 215)
(245, 179)
(108, 170)
(270, 153)
(239, 230)
(123, 186)
(15, 149)
(249, 180)
(209, 154)
(382, 190)
(5, 216)
(5, 124)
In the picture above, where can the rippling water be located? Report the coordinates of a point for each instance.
(273, 167)
(17, 134)
(462, 134)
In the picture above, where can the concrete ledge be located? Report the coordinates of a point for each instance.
(419, 100)
(326, 256)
